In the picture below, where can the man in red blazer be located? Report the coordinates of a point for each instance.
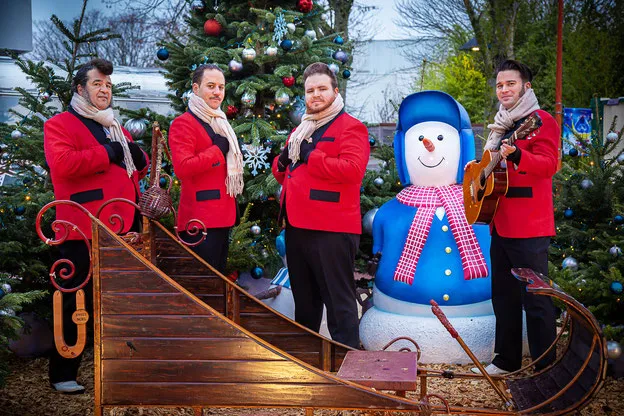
(92, 159)
(321, 170)
(523, 222)
(208, 161)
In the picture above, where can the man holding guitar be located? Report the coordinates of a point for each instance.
(523, 222)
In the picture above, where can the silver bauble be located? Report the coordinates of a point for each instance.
(586, 183)
(570, 263)
(265, 253)
(614, 350)
(7, 312)
(45, 96)
(378, 181)
(297, 112)
(334, 68)
(271, 51)
(612, 137)
(136, 127)
(6, 288)
(620, 159)
(278, 193)
(615, 251)
(197, 6)
(291, 27)
(367, 221)
(255, 229)
(185, 96)
(282, 98)
(235, 66)
(310, 33)
(16, 134)
(249, 54)
(248, 99)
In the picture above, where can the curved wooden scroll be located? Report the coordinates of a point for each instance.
(80, 318)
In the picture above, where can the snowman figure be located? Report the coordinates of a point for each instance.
(428, 250)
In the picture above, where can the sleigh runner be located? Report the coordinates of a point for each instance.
(171, 331)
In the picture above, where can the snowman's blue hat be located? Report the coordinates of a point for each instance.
(433, 106)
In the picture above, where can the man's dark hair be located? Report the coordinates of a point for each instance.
(513, 65)
(81, 78)
(320, 68)
(198, 74)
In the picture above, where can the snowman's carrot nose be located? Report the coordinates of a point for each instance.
(428, 145)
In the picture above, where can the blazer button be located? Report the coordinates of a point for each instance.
(289, 176)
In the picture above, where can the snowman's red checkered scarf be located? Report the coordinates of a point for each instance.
(427, 199)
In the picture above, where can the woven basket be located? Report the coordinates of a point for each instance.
(156, 202)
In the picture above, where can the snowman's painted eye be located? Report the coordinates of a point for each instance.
(440, 137)
(421, 138)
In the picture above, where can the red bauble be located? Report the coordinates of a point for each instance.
(212, 27)
(288, 81)
(231, 111)
(304, 6)
(233, 276)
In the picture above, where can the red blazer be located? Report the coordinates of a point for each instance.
(527, 208)
(81, 172)
(324, 194)
(201, 167)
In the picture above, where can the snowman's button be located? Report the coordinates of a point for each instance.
(445, 228)
(446, 297)
(447, 272)
(448, 250)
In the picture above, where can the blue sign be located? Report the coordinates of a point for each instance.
(576, 126)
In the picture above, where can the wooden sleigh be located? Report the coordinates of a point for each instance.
(171, 331)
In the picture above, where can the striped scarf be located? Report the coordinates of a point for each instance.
(427, 199)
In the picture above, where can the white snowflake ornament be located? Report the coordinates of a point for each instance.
(256, 157)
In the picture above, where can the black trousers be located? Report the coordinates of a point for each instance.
(320, 267)
(66, 369)
(509, 296)
(214, 249)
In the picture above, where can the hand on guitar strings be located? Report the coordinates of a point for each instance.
(506, 149)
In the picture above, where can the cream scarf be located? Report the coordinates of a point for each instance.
(234, 158)
(309, 124)
(107, 119)
(505, 119)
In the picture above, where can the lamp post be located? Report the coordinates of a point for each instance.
(559, 77)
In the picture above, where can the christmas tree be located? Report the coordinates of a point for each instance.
(586, 255)
(263, 51)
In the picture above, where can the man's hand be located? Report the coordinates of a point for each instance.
(222, 143)
(508, 152)
(137, 155)
(115, 152)
(284, 160)
(304, 151)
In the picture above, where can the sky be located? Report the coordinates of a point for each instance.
(69, 9)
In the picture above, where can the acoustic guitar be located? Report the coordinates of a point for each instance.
(485, 181)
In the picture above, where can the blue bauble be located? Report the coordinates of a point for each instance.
(372, 141)
(27, 180)
(346, 73)
(618, 219)
(338, 40)
(280, 243)
(616, 287)
(286, 44)
(573, 152)
(20, 210)
(162, 54)
(257, 272)
(162, 182)
(568, 213)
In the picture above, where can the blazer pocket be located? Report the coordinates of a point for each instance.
(208, 195)
(87, 196)
(325, 196)
(327, 139)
